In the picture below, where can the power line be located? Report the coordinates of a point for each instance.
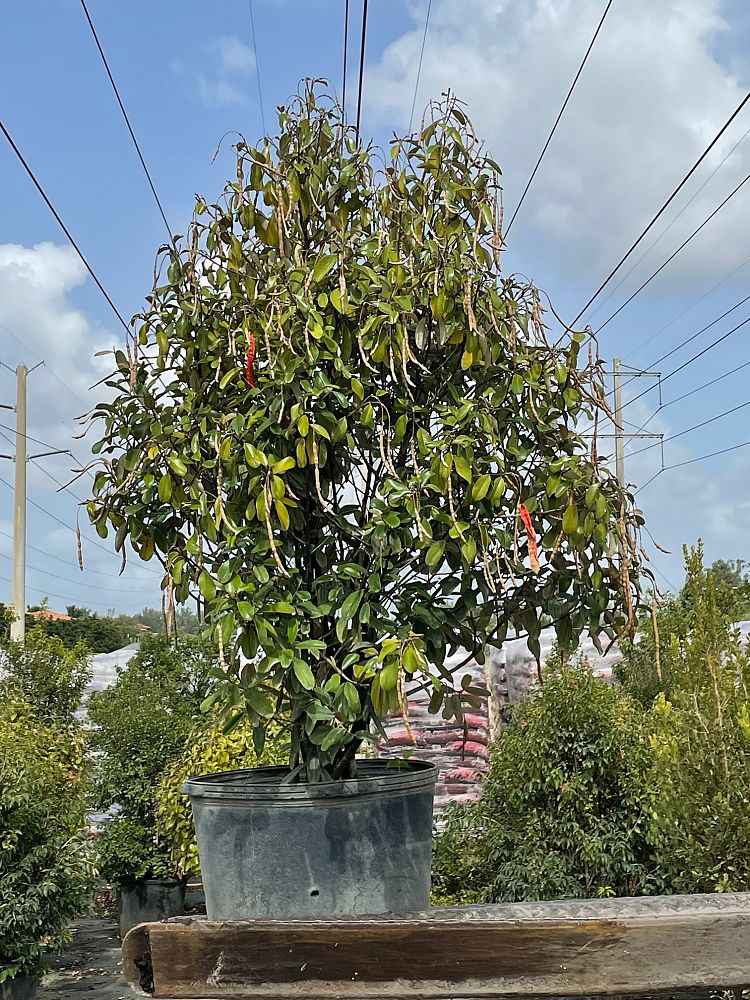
(127, 119)
(713, 454)
(665, 206)
(65, 562)
(664, 232)
(346, 50)
(673, 255)
(419, 67)
(692, 305)
(690, 361)
(62, 225)
(63, 597)
(361, 64)
(692, 392)
(692, 461)
(695, 427)
(75, 583)
(257, 67)
(64, 524)
(559, 116)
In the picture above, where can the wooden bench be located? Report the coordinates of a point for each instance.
(568, 948)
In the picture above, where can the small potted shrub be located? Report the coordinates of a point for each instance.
(350, 433)
(139, 726)
(46, 867)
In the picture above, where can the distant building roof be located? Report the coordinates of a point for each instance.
(55, 616)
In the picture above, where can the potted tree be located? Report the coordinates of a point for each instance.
(139, 726)
(342, 425)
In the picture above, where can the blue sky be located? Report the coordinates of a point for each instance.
(659, 83)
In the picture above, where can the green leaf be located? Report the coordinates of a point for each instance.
(281, 608)
(282, 513)
(434, 554)
(570, 520)
(324, 266)
(177, 465)
(165, 487)
(259, 702)
(304, 674)
(462, 467)
(284, 465)
(481, 487)
(349, 606)
(206, 586)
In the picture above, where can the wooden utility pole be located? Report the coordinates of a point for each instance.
(18, 627)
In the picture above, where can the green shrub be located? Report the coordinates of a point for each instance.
(209, 749)
(701, 745)
(564, 807)
(128, 851)
(46, 870)
(140, 726)
(643, 672)
(46, 674)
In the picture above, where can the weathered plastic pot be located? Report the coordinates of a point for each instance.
(269, 849)
(19, 988)
(152, 899)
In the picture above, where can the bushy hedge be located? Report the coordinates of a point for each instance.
(564, 810)
(47, 674)
(46, 869)
(640, 788)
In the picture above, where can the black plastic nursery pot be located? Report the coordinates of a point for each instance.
(359, 846)
(19, 988)
(151, 899)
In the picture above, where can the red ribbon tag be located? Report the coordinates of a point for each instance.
(533, 551)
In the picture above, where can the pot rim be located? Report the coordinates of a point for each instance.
(380, 778)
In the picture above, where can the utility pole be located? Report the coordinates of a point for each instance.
(20, 458)
(18, 627)
(619, 436)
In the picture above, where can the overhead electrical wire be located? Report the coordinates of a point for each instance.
(361, 65)
(63, 597)
(65, 562)
(62, 225)
(557, 120)
(419, 66)
(663, 208)
(672, 256)
(346, 52)
(692, 461)
(257, 67)
(75, 583)
(127, 120)
(689, 430)
(664, 231)
(692, 392)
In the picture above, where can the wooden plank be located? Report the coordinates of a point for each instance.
(568, 948)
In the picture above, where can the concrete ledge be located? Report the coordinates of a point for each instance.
(569, 948)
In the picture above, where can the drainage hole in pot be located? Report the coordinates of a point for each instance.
(315, 892)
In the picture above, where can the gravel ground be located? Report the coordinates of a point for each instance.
(90, 967)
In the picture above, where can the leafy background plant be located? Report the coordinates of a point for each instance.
(564, 810)
(209, 749)
(139, 726)
(348, 505)
(46, 674)
(45, 859)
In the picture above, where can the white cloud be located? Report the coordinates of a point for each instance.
(220, 93)
(235, 56)
(38, 321)
(651, 97)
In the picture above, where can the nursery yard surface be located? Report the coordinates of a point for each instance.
(90, 967)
